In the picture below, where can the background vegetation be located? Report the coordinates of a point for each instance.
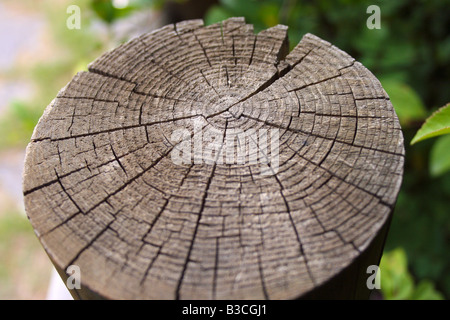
(410, 54)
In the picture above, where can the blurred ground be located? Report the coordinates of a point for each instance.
(24, 269)
(24, 40)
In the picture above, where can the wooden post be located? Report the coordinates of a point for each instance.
(127, 174)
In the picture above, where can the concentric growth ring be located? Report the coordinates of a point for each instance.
(208, 162)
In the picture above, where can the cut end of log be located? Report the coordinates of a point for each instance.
(207, 162)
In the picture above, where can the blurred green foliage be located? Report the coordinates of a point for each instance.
(410, 55)
(398, 284)
(408, 105)
(108, 12)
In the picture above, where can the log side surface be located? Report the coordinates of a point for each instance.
(103, 192)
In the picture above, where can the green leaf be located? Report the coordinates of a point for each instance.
(107, 12)
(440, 156)
(406, 102)
(437, 124)
(398, 284)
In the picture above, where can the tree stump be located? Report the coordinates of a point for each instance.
(105, 191)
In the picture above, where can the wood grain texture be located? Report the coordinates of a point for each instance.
(102, 191)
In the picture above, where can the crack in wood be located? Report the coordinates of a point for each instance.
(101, 154)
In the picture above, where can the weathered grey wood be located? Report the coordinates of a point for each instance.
(102, 192)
